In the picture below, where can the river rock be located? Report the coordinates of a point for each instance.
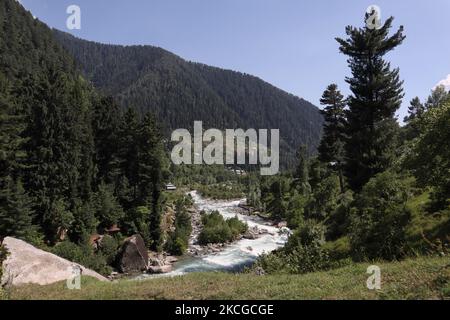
(251, 233)
(133, 256)
(160, 269)
(27, 264)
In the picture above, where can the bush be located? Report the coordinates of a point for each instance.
(379, 219)
(217, 230)
(302, 254)
(109, 248)
(338, 222)
(82, 254)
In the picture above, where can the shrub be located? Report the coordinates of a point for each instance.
(82, 254)
(217, 230)
(109, 248)
(379, 219)
(338, 222)
(302, 254)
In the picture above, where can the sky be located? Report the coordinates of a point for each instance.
(288, 43)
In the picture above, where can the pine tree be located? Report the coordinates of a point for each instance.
(16, 213)
(438, 97)
(301, 175)
(277, 206)
(331, 148)
(149, 174)
(128, 158)
(105, 126)
(415, 110)
(376, 95)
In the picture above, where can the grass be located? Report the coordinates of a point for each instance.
(433, 225)
(420, 278)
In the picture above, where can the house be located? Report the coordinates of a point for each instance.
(170, 187)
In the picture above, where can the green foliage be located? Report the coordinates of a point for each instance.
(302, 254)
(338, 221)
(107, 208)
(379, 218)
(218, 230)
(222, 191)
(323, 201)
(82, 254)
(377, 93)
(178, 241)
(109, 248)
(331, 148)
(16, 212)
(277, 205)
(430, 160)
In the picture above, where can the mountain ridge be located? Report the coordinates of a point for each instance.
(179, 92)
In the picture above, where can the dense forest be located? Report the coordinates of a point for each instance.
(179, 92)
(71, 163)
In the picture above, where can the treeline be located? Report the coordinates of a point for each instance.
(376, 190)
(72, 164)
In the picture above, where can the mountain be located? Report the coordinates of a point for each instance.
(179, 92)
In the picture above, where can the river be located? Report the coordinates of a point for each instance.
(233, 257)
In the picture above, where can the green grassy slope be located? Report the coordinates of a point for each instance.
(421, 278)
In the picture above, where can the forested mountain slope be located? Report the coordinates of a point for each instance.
(179, 92)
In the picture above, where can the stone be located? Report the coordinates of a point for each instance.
(259, 271)
(133, 257)
(160, 269)
(27, 264)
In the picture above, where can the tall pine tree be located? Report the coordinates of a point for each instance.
(150, 174)
(376, 95)
(331, 148)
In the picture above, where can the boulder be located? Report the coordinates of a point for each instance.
(27, 264)
(160, 269)
(133, 256)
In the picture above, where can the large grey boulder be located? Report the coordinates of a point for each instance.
(133, 257)
(27, 264)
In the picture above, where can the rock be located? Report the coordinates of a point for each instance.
(171, 259)
(282, 224)
(251, 233)
(259, 271)
(160, 269)
(133, 256)
(27, 264)
(155, 261)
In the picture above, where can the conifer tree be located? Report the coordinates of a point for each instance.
(376, 96)
(128, 158)
(415, 110)
(301, 175)
(149, 174)
(331, 148)
(105, 126)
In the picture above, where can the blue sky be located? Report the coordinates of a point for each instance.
(288, 43)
